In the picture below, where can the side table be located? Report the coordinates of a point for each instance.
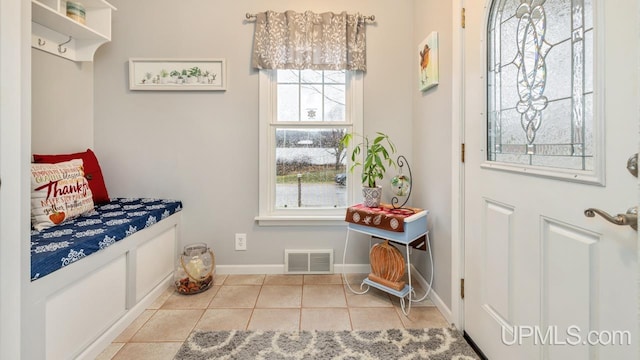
(414, 234)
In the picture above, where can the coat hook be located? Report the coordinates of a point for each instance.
(62, 50)
(41, 42)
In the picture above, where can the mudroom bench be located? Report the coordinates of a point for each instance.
(92, 276)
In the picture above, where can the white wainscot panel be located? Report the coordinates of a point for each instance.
(72, 321)
(569, 269)
(497, 238)
(154, 261)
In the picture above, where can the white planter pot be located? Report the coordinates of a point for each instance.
(372, 196)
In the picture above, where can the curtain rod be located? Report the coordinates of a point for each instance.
(252, 17)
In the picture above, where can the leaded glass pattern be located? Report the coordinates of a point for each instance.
(540, 83)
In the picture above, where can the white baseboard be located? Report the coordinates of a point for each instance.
(279, 269)
(249, 269)
(352, 268)
(435, 299)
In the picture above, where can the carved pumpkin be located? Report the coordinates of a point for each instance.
(387, 265)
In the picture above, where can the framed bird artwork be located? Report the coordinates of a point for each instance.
(428, 62)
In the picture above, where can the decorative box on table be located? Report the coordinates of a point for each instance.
(402, 225)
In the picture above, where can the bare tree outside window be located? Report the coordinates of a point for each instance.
(310, 158)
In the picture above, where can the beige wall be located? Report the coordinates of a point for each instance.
(62, 104)
(432, 126)
(202, 147)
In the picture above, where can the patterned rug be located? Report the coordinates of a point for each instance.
(432, 344)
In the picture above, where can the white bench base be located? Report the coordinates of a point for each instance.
(77, 311)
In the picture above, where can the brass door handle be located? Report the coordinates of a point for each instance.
(632, 165)
(629, 218)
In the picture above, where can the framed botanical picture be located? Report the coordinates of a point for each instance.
(177, 74)
(428, 76)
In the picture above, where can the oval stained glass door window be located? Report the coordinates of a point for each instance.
(540, 84)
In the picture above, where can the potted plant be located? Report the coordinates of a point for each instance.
(182, 78)
(164, 76)
(174, 76)
(376, 157)
(194, 74)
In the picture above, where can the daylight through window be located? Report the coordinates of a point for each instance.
(310, 121)
(540, 83)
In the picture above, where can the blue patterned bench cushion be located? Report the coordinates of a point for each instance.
(61, 245)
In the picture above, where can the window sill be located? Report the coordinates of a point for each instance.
(330, 220)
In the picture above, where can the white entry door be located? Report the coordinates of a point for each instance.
(548, 131)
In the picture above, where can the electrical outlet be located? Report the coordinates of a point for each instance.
(241, 242)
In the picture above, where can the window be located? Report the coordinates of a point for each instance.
(540, 85)
(303, 167)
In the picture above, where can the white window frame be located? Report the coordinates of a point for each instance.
(268, 214)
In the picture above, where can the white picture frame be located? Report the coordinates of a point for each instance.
(177, 74)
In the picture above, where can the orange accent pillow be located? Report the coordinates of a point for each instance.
(93, 173)
(59, 192)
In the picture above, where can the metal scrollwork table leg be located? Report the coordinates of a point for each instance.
(365, 285)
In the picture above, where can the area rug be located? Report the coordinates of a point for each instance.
(394, 344)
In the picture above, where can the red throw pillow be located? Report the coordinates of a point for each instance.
(91, 169)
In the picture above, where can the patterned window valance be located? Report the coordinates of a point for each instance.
(326, 41)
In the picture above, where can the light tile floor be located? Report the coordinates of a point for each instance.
(268, 302)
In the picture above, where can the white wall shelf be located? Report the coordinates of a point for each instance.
(52, 31)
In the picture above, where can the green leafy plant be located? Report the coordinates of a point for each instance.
(377, 156)
(195, 71)
(175, 73)
(164, 73)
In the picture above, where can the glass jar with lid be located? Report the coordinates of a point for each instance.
(195, 269)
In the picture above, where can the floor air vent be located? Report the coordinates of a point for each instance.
(308, 261)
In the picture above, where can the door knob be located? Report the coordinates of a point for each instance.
(632, 165)
(629, 218)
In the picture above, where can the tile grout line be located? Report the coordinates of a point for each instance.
(155, 311)
(300, 315)
(204, 311)
(253, 309)
(246, 327)
(129, 340)
(346, 301)
(300, 307)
